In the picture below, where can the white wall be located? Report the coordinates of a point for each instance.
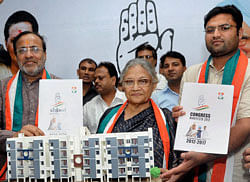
(76, 29)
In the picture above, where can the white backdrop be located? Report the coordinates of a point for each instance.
(76, 29)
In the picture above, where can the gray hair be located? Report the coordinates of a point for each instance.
(143, 63)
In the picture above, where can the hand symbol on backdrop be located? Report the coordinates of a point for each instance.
(138, 25)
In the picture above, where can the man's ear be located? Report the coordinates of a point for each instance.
(77, 72)
(154, 86)
(240, 32)
(113, 78)
(6, 45)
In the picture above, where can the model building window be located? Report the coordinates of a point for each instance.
(145, 140)
(134, 141)
(97, 152)
(109, 162)
(128, 140)
(41, 153)
(122, 170)
(146, 160)
(20, 145)
(87, 171)
(120, 141)
(63, 144)
(41, 145)
(42, 163)
(64, 162)
(86, 152)
(30, 145)
(63, 153)
(120, 151)
(146, 150)
(97, 161)
(98, 171)
(65, 171)
(136, 170)
(97, 142)
(121, 160)
(135, 150)
(86, 143)
(86, 161)
(135, 160)
(108, 142)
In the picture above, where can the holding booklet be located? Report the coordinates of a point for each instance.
(206, 125)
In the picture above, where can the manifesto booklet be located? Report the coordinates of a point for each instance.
(60, 106)
(206, 125)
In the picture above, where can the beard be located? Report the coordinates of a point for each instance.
(34, 72)
(227, 48)
(220, 52)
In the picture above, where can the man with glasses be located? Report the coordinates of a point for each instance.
(148, 53)
(16, 23)
(19, 93)
(244, 7)
(226, 65)
(106, 81)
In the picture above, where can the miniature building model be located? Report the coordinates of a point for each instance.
(98, 157)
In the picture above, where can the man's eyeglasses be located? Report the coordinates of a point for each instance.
(145, 57)
(221, 28)
(245, 37)
(141, 83)
(33, 50)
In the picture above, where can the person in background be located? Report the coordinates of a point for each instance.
(86, 72)
(106, 80)
(244, 7)
(18, 22)
(173, 66)
(148, 53)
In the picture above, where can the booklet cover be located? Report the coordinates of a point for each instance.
(206, 125)
(60, 106)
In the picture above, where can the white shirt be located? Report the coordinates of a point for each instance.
(94, 109)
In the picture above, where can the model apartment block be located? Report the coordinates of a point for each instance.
(88, 157)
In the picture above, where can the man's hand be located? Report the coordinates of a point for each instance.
(246, 157)
(177, 111)
(190, 160)
(138, 25)
(30, 130)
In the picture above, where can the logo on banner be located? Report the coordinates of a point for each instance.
(220, 95)
(138, 26)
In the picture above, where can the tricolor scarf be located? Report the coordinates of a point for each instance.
(110, 120)
(14, 108)
(234, 74)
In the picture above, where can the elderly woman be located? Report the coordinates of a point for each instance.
(140, 112)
